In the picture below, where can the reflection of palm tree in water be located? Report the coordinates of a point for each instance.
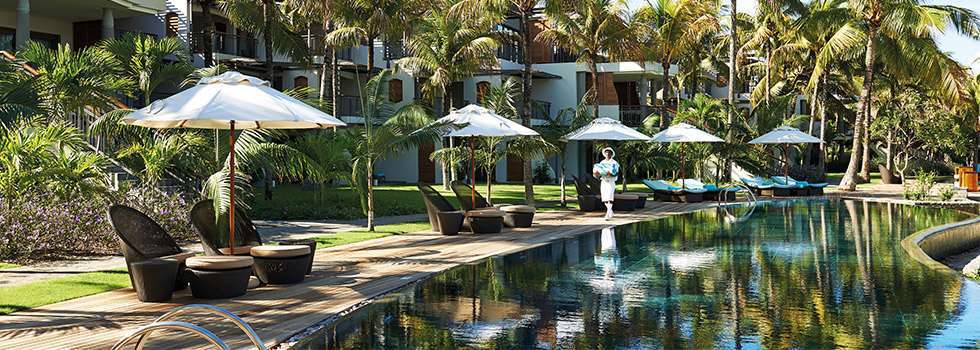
(862, 250)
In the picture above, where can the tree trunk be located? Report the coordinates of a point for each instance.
(562, 181)
(890, 162)
(768, 69)
(370, 57)
(526, 97)
(849, 181)
(370, 195)
(866, 148)
(809, 146)
(595, 87)
(207, 40)
(823, 122)
(732, 78)
(334, 80)
(665, 65)
(267, 8)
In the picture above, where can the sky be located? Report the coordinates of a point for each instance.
(963, 49)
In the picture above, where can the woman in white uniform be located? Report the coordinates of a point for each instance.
(607, 171)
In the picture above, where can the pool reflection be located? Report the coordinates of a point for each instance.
(803, 274)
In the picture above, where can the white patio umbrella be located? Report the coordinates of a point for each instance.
(786, 135)
(474, 121)
(229, 101)
(605, 129)
(684, 133)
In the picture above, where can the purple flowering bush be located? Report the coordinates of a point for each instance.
(45, 224)
(808, 173)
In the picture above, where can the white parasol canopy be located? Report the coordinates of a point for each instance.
(473, 121)
(786, 135)
(605, 129)
(684, 133)
(229, 101)
(482, 122)
(217, 102)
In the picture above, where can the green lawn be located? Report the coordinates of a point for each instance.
(290, 202)
(836, 177)
(4, 265)
(36, 294)
(363, 235)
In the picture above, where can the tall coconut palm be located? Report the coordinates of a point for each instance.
(207, 35)
(598, 30)
(896, 32)
(449, 44)
(366, 21)
(676, 26)
(146, 60)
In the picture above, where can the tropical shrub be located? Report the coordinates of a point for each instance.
(42, 223)
(946, 193)
(919, 189)
(542, 174)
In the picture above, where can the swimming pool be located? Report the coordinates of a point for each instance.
(803, 274)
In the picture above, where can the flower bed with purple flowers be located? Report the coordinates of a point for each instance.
(42, 224)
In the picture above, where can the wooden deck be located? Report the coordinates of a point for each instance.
(343, 277)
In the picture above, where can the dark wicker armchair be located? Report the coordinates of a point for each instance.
(272, 265)
(215, 240)
(466, 198)
(587, 200)
(141, 238)
(514, 215)
(437, 206)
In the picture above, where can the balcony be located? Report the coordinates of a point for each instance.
(394, 50)
(633, 116)
(562, 55)
(229, 44)
(543, 113)
(348, 106)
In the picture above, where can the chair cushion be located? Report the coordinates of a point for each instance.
(485, 213)
(626, 197)
(180, 257)
(638, 194)
(280, 251)
(239, 250)
(222, 262)
(518, 209)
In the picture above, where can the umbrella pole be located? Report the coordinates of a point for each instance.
(231, 210)
(473, 175)
(682, 165)
(787, 163)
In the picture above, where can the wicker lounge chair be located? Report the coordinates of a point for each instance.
(443, 217)
(812, 189)
(627, 199)
(271, 265)
(711, 192)
(141, 238)
(665, 192)
(760, 186)
(514, 215)
(587, 200)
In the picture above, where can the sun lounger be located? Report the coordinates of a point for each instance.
(513, 215)
(812, 189)
(760, 186)
(711, 192)
(621, 201)
(587, 200)
(665, 192)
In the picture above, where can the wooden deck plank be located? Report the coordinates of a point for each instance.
(343, 276)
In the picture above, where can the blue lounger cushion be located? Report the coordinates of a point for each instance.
(660, 185)
(775, 185)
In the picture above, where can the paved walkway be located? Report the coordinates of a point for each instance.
(271, 230)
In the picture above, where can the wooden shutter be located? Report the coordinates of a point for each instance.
(481, 91)
(172, 23)
(395, 90)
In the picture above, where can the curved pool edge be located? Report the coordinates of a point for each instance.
(913, 244)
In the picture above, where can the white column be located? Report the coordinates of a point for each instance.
(644, 91)
(23, 32)
(108, 24)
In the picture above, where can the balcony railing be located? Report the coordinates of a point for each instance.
(348, 106)
(394, 50)
(633, 116)
(543, 113)
(229, 44)
(562, 55)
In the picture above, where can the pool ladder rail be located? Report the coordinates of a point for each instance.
(737, 187)
(163, 322)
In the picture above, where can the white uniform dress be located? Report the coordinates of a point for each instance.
(608, 174)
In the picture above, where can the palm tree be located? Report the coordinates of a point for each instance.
(898, 33)
(145, 60)
(449, 44)
(567, 121)
(161, 152)
(207, 37)
(385, 131)
(71, 80)
(18, 92)
(676, 27)
(597, 30)
(365, 21)
(277, 27)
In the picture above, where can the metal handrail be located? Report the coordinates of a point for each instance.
(723, 199)
(174, 325)
(214, 310)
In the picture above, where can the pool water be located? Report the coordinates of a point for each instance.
(799, 274)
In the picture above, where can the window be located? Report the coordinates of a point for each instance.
(172, 22)
(7, 37)
(395, 90)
